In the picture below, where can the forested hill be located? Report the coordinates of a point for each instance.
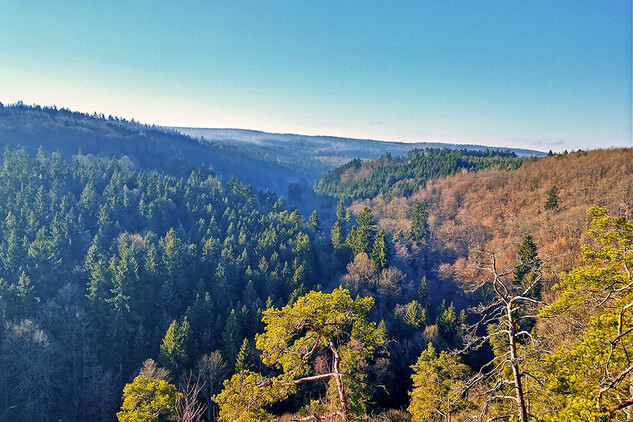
(456, 283)
(146, 146)
(266, 161)
(96, 261)
(103, 267)
(402, 176)
(322, 151)
(553, 238)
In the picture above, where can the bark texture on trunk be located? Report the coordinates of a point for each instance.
(516, 372)
(336, 360)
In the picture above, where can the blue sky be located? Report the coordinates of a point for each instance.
(534, 74)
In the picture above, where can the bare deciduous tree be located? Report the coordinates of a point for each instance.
(212, 370)
(505, 310)
(188, 408)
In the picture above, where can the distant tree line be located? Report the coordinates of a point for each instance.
(402, 176)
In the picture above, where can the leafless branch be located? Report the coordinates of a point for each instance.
(188, 408)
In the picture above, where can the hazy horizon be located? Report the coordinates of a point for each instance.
(539, 76)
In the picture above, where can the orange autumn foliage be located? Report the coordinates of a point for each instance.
(471, 211)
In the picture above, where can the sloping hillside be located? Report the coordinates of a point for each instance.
(489, 208)
(318, 154)
(401, 176)
(146, 146)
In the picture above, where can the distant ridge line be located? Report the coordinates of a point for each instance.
(238, 135)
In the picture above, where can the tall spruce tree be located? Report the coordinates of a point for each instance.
(175, 348)
(419, 221)
(315, 223)
(336, 236)
(381, 253)
(244, 360)
(528, 264)
(365, 233)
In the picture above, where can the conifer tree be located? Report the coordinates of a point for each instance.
(414, 315)
(552, 201)
(175, 348)
(351, 240)
(168, 299)
(150, 258)
(96, 271)
(123, 270)
(366, 218)
(528, 265)
(343, 217)
(244, 360)
(447, 321)
(146, 400)
(363, 240)
(419, 221)
(173, 255)
(592, 375)
(11, 250)
(439, 382)
(317, 322)
(336, 236)
(315, 223)
(423, 293)
(230, 336)
(381, 253)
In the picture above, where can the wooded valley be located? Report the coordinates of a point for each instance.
(452, 285)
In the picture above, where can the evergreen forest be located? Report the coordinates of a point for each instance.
(401, 176)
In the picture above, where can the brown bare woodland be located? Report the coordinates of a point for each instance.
(491, 208)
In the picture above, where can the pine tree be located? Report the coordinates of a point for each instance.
(419, 221)
(176, 347)
(146, 400)
(528, 263)
(294, 335)
(381, 253)
(315, 223)
(590, 375)
(438, 385)
(231, 335)
(244, 360)
(365, 233)
(552, 202)
(336, 236)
